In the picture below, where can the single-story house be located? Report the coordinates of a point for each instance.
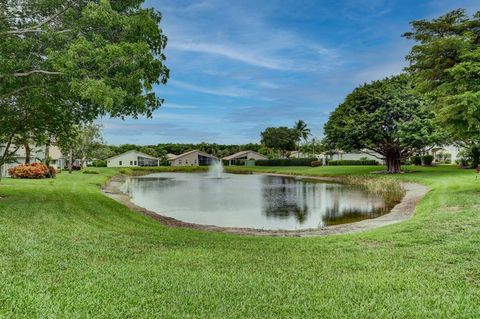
(445, 154)
(132, 158)
(355, 156)
(300, 154)
(193, 158)
(37, 155)
(244, 155)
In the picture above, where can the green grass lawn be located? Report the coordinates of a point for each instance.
(67, 251)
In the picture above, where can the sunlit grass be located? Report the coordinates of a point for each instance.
(67, 251)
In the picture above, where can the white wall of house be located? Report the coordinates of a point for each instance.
(449, 149)
(355, 156)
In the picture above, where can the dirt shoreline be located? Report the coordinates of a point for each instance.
(402, 211)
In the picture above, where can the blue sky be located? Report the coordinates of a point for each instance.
(240, 66)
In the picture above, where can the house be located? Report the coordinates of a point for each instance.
(244, 155)
(132, 158)
(299, 154)
(37, 155)
(445, 154)
(355, 156)
(193, 158)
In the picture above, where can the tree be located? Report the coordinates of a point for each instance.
(446, 65)
(282, 138)
(81, 143)
(384, 117)
(72, 61)
(302, 130)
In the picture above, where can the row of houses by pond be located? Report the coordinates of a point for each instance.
(135, 158)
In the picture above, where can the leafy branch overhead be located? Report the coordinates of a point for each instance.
(103, 56)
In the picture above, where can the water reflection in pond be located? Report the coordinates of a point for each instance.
(253, 201)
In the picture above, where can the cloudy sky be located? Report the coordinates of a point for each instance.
(240, 66)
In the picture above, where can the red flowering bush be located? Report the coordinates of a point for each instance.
(34, 170)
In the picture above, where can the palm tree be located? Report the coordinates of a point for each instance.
(302, 129)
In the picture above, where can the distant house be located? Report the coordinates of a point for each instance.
(445, 154)
(37, 155)
(299, 154)
(132, 158)
(193, 158)
(244, 155)
(355, 156)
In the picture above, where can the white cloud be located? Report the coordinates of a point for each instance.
(224, 91)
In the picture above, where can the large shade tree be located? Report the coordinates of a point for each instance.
(384, 117)
(78, 60)
(445, 62)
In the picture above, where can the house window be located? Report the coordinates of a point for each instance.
(180, 162)
(131, 163)
(120, 163)
(186, 162)
(135, 163)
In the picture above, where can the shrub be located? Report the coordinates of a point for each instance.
(352, 162)
(416, 160)
(286, 162)
(427, 160)
(34, 170)
(99, 163)
(316, 163)
(240, 162)
(89, 172)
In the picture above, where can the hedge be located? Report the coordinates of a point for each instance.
(352, 162)
(286, 162)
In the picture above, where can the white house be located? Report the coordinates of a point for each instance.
(355, 156)
(132, 158)
(244, 155)
(300, 154)
(193, 158)
(448, 153)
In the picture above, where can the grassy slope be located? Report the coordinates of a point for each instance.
(68, 251)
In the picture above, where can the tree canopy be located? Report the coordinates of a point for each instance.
(445, 63)
(63, 63)
(384, 117)
(282, 138)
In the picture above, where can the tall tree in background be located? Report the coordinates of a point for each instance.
(446, 65)
(302, 129)
(72, 61)
(383, 117)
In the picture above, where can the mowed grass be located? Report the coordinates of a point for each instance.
(67, 251)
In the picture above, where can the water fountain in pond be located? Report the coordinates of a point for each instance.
(216, 170)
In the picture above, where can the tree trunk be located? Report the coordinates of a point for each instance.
(28, 152)
(475, 156)
(70, 161)
(393, 162)
(47, 153)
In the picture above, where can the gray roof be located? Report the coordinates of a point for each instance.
(239, 154)
(139, 153)
(191, 152)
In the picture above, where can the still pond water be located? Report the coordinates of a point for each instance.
(253, 201)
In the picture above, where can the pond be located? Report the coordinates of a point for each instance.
(253, 201)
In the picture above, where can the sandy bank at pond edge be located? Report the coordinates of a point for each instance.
(402, 211)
